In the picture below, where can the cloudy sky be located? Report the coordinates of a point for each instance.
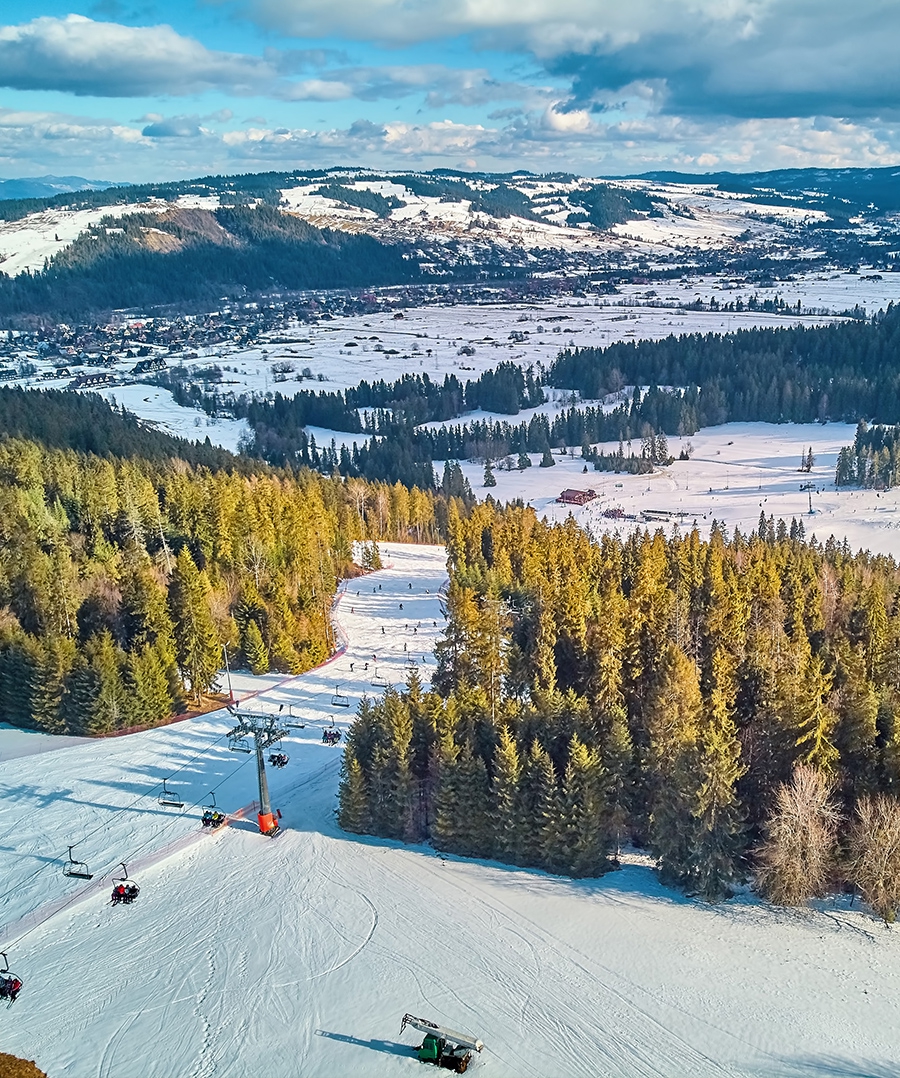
(157, 89)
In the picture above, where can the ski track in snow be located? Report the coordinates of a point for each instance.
(298, 956)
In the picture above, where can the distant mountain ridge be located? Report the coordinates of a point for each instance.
(48, 186)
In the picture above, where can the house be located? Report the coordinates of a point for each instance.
(88, 381)
(146, 366)
(577, 497)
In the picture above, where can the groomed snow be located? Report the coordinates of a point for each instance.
(298, 956)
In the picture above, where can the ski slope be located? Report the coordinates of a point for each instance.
(246, 956)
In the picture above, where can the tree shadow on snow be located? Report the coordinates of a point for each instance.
(837, 1067)
(391, 1048)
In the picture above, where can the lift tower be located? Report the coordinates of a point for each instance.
(265, 730)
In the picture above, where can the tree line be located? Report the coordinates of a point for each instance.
(844, 371)
(872, 461)
(667, 691)
(121, 580)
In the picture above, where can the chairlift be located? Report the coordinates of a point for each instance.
(125, 890)
(211, 817)
(10, 984)
(170, 799)
(378, 680)
(338, 699)
(76, 869)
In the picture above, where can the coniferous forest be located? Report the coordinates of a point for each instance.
(121, 579)
(731, 705)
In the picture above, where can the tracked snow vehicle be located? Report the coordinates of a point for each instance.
(443, 1047)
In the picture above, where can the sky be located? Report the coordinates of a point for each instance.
(165, 89)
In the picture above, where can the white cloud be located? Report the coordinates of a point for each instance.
(544, 140)
(737, 57)
(80, 56)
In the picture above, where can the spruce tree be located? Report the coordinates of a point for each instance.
(254, 648)
(489, 479)
(353, 800)
(719, 819)
(198, 650)
(505, 822)
(585, 824)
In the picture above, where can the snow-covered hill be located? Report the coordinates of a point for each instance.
(298, 956)
(546, 215)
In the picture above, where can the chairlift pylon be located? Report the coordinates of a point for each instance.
(76, 869)
(170, 799)
(338, 699)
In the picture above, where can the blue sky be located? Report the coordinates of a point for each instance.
(112, 89)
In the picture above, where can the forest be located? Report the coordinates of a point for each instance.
(873, 461)
(123, 577)
(146, 259)
(845, 371)
(732, 705)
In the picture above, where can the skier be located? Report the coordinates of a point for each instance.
(401, 606)
(382, 630)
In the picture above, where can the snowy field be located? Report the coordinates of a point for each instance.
(735, 471)
(246, 956)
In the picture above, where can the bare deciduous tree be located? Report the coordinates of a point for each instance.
(795, 859)
(875, 854)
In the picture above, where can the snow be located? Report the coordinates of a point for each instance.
(735, 471)
(157, 408)
(26, 243)
(15, 742)
(299, 956)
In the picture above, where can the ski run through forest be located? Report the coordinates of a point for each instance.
(300, 956)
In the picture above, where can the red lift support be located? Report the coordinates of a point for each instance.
(265, 730)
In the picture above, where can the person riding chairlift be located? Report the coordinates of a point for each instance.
(10, 988)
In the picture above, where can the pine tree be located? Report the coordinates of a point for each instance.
(719, 818)
(489, 480)
(585, 824)
(673, 718)
(148, 694)
(524, 461)
(198, 650)
(53, 663)
(505, 823)
(618, 760)
(461, 806)
(353, 800)
(254, 648)
(540, 812)
(547, 460)
(811, 717)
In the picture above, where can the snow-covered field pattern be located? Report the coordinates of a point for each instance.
(463, 340)
(245, 955)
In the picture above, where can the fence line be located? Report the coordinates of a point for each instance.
(30, 921)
